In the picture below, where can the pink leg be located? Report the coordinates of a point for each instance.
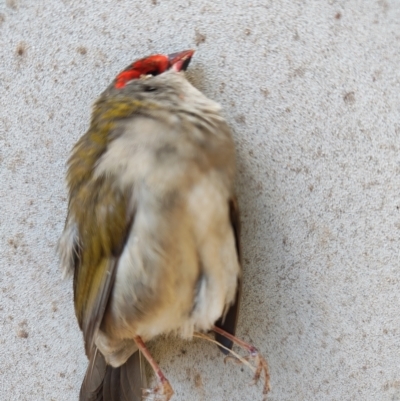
(262, 366)
(164, 391)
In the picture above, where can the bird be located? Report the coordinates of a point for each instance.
(152, 233)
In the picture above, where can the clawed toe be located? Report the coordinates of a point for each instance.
(163, 392)
(262, 368)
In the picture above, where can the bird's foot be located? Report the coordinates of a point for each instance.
(162, 392)
(261, 366)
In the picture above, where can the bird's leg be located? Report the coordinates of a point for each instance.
(163, 391)
(261, 363)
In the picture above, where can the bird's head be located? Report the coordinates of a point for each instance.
(153, 65)
(156, 79)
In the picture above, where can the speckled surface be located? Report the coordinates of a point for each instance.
(312, 92)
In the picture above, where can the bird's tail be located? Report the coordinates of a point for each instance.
(102, 382)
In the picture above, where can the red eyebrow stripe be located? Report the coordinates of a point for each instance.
(157, 63)
(126, 76)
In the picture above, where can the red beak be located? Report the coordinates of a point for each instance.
(180, 61)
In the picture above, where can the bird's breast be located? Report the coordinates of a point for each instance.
(179, 268)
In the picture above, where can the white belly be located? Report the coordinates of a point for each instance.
(179, 270)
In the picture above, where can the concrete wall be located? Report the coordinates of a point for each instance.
(311, 90)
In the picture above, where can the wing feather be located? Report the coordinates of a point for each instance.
(229, 321)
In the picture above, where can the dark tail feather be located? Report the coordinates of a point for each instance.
(133, 378)
(92, 386)
(228, 323)
(105, 383)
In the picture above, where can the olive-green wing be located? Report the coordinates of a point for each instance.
(99, 222)
(103, 220)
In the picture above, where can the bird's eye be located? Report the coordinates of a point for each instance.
(150, 88)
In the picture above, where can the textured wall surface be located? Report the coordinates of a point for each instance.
(311, 90)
